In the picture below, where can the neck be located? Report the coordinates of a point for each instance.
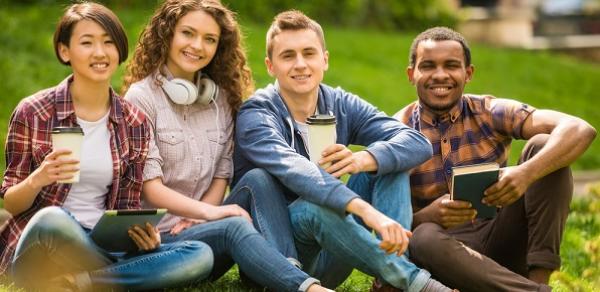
(91, 100)
(301, 107)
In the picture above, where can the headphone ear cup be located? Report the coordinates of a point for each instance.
(208, 91)
(180, 91)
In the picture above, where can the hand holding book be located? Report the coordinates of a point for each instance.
(513, 183)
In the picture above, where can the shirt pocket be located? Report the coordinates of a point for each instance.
(39, 151)
(217, 142)
(171, 145)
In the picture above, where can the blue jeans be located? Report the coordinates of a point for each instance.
(54, 243)
(329, 244)
(263, 197)
(234, 239)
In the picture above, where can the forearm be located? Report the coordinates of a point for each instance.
(360, 208)
(161, 196)
(215, 193)
(20, 197)
(566, 143)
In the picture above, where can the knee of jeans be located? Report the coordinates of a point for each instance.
(259, 175)
(238, 227)
(425, 239)
(199, 257)
(53, 220)
(302, 211)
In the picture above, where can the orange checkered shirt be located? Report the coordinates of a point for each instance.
(478, 129)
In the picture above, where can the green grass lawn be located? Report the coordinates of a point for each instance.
(371, 64)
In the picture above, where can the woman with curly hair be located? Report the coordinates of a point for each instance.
(189, 76)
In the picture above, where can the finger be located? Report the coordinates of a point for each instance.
(405, 241)
(337, 165)
(456, 204)
(143, 235)
(58, 152)
(346, 170)
(152, 232)
(399, 239)
(141, 244)
(385, 240)
(459, 212)
(332, 149)
(496, 198)
(340, 155)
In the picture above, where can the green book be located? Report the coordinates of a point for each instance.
(470, 181)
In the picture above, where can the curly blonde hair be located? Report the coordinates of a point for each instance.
(228, 67)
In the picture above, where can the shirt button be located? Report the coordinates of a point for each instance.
(449, 170)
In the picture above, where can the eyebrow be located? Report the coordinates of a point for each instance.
(91, 35)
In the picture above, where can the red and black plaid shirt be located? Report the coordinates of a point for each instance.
(478, 129)
(29, 142)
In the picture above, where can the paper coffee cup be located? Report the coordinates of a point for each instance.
(321, 133)
(69, 138)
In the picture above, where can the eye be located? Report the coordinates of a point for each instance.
(109, 41)
(86, 43)
(187, 33)
(212, 40)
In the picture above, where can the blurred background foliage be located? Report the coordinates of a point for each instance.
(380, 14)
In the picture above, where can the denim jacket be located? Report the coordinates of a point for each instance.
(267, 137)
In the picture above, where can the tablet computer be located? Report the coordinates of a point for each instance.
(110, 233)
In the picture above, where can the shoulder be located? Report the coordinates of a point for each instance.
(406, 113)
(132, 115)
(39, 105)
(488, 104)
(264, 98)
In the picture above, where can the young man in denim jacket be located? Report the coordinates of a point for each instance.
(271, 139)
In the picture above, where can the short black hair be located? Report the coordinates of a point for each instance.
(439, 33)
(96, 13)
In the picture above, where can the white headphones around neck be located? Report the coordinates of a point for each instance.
(183, 92)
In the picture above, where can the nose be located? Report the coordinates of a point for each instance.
(198, 44)
(440, 73)
(99, 50)
(300, 62)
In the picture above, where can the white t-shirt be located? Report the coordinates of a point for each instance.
(86, 199)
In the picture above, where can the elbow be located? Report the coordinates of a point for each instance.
(586, 131)
(425, 151)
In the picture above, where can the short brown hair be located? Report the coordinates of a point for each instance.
(292, 20)
(439, 33)
(94, 12)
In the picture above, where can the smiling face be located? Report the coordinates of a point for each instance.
(439, 74)
(298, 62)
(194, 44)
(91, 52)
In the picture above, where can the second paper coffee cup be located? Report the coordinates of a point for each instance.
(69, 138)
(321, 133)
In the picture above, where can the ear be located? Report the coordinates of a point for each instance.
(63, 52)
(269, 66)
(326, 60)
(410, 73)
(470, 71)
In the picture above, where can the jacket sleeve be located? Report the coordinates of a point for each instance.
(395, 146)
(260, 135)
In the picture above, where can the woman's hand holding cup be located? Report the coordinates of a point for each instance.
(57, 165)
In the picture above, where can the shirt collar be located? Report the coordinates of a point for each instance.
(64, 103)
(433, 119)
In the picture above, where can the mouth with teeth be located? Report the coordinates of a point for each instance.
(99, 65)
(440, 90)
(301, 77)
(192, 56)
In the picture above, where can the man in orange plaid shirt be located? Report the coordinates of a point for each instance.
(519, 248)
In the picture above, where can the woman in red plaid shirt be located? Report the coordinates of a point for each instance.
(46, 245)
